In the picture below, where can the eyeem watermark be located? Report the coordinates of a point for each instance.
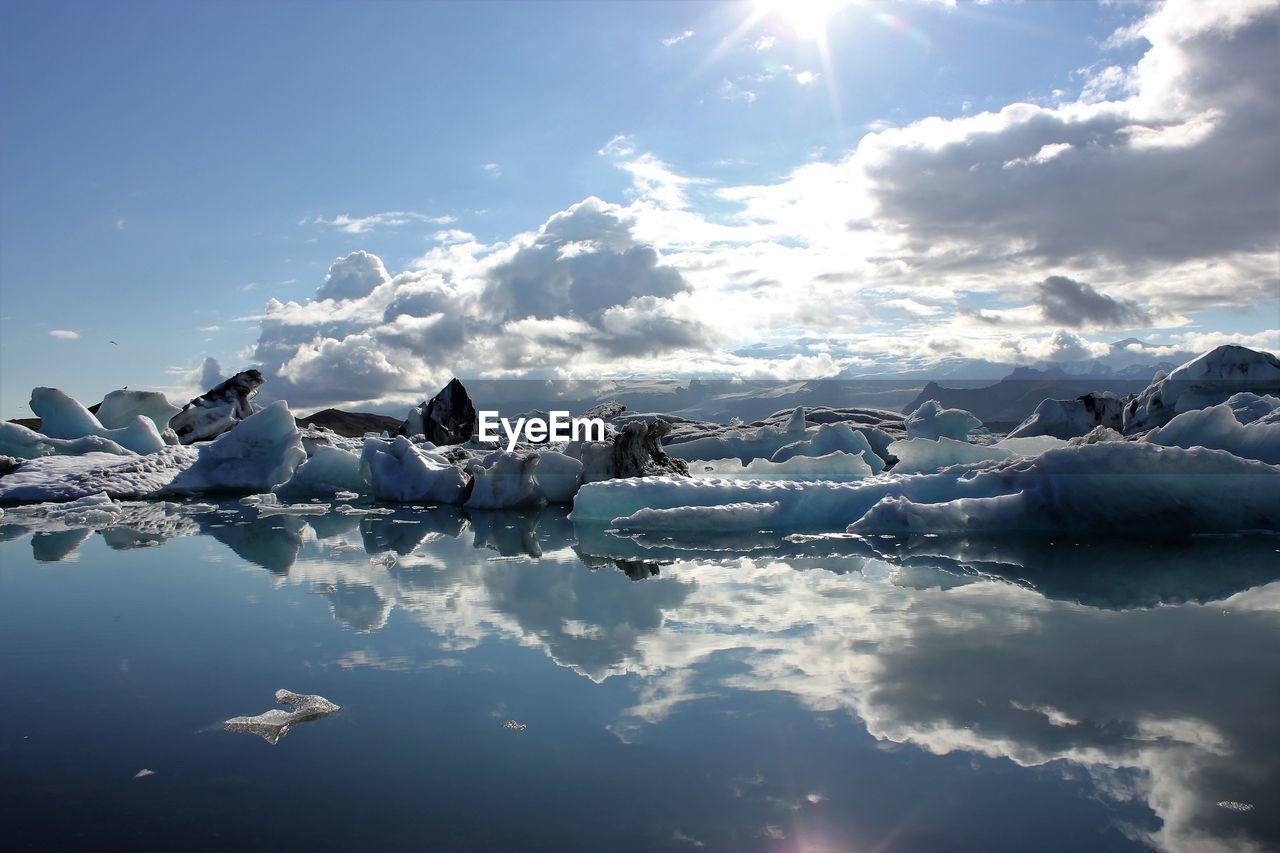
(560, 427)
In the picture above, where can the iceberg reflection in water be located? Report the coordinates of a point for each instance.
(825, 692)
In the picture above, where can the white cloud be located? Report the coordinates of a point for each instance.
(670, 41)
(765, 43)
(493, 170)
(390, 219)
(64, 334)
(805, 78)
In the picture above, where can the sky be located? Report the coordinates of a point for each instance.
(365, 199)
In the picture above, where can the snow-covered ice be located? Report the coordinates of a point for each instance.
(61, 416)
(1206, 380)
(833, 466)
(1070, 418)
(1218, 427)
(119, 408)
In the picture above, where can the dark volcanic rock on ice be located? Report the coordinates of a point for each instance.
(447, 418)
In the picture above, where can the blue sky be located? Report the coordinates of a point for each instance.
(168, 169)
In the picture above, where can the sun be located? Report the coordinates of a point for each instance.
(807, 18)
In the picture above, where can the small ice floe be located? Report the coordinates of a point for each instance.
(514, 726)
(144, 773)
(265, 509)
(346, 496)
(386, 558)
(1233, 806)
(275, 724)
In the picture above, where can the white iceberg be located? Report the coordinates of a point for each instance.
(328, 472)
(507, 482)
(61, 416)
(67, 478)
(258, 455)
(1070, 418)
(832, 438)
(1206, 380)
(923, 455)
(930, 420)
(22, 443)
(557, 476)
(1127, 489)
(404, 472)
(1218, 427)
(119, 408)
(743, 443)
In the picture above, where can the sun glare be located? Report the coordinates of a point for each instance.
(807, 18)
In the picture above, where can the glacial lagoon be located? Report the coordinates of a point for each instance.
(506, 680)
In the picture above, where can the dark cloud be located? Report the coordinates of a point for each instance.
(1066, 302)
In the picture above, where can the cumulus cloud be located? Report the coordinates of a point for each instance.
(1067, 302)
(353, 276)
(210, 374)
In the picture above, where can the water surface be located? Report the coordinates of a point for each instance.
(509, 682)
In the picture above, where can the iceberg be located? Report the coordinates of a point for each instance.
(67, 478)
(259, 454)
(557, 476)
(507, 482)
(1136, 490)
(63, 417)
(218, 409)
(1071, 418)
(22, 443)
(327, 472)
(1218, 427)
(832, 438)
(403, 472)
(930, 420)
(1206, 380)
(1126, 489)
(923, 455)
(744, 443)
(119, 408)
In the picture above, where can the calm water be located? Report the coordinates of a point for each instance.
(826, 695)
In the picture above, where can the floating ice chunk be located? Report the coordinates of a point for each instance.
(265, 510)
(1206, 380)
(506, 483)
(923, 455)
(1070, 418)
(1135, 490)
(832, 438)
(22, 443)
(66, 478)
(839, 466)
(744, 443)
(557, 476)
(328, 472)
(1217, 427)
(63, 417)
(259, 454)
(404, 472)
(734, 516)
(930, 420)
(119, 408)
(275, 724)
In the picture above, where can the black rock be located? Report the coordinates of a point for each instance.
(637, 451)
(447, 418)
